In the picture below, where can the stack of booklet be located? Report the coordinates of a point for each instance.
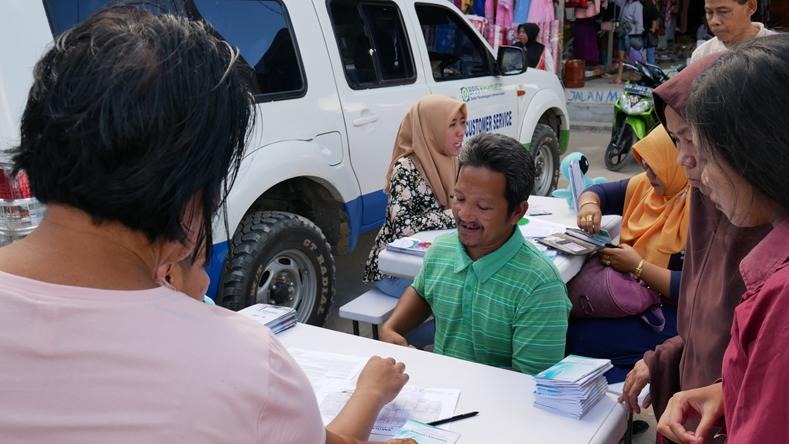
(409, 245)
(274, 317)
(572, 386)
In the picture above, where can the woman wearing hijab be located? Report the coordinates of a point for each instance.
(420, 179)
(711, 285)
(742, 144)
(536, 55)
(654, 207)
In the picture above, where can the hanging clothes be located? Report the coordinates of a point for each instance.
(521, 12)
(478, 8)
(490, 11)
(585, 41)
(504, 13)
(541, 11)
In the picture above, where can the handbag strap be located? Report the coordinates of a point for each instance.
(659, 322)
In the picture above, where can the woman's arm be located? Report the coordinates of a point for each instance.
(379, 383)
(607, 198)
(626, 259)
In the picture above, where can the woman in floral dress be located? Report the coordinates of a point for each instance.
(420, 179)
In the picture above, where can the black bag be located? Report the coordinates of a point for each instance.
(624, 28)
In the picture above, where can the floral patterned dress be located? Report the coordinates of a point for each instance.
(412, 208)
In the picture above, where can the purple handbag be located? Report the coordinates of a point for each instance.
(598, 291)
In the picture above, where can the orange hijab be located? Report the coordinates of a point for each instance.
(421, 136)
(657, 225)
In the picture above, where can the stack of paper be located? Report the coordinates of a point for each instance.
(409, 245)
(572, 386)
(274, 317)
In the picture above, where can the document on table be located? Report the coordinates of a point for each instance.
(538, 228)
(333, 378)
(426, 434)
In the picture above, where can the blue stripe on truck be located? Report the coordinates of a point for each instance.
(365, 213)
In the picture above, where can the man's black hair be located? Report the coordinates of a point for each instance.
(132, 116)
(507, 156)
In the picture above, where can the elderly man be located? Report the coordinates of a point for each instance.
(730, 21)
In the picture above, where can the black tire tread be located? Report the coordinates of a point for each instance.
(254, 230)
(544, 131)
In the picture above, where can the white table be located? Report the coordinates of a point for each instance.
(407, 266)
(503, 398)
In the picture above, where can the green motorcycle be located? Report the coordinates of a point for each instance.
(634, 114)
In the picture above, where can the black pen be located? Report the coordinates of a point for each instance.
(452, 419)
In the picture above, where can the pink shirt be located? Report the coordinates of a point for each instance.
(83, 365)
(755, 376)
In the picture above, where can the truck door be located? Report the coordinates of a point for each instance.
(378, 81)
(460, 65)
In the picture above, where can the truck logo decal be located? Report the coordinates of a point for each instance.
(471, 93)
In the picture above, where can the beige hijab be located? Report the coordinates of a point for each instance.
(421, 136)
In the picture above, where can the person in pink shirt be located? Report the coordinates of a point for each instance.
(743, 142)
(133, 131)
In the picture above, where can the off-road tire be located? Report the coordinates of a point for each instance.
(276, 243)
(545, 149)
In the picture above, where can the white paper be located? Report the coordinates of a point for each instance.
(328, 368)
(538, 228)
(426, 434)
(333, 379)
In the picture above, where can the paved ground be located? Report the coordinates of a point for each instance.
(350, 267)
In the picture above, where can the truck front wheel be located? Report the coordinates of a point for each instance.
(282, 259)
(545, 148)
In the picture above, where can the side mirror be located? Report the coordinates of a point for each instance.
(511, 60)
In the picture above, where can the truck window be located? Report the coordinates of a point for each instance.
(65, 14)
(373, 45)
(454, 49)
(261, 30)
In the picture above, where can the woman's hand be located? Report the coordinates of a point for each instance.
(636, 380)
(381, 378)
(589, 216)
(623, 259)
(705, 403)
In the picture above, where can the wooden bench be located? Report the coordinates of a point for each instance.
(372, 306)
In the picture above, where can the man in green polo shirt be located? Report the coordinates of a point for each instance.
(496, 299)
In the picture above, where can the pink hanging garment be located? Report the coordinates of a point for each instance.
(541, 11)
(504, 11)
(490, 11)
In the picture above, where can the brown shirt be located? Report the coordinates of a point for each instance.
(710, 288)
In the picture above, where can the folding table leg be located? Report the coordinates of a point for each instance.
(375, 331)
(356, 328)
(628, 438)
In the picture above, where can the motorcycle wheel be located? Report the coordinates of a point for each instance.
(617, 154)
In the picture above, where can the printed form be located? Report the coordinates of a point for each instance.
(333, 378)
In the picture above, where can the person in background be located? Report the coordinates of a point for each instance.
(133, 131)
(651, 20)
(654, 208)
(631, 18)
(420, 179)
(187, 276)
(730, 21)
(710, 286)
(496, 299)
(742, 144)
(536, 54)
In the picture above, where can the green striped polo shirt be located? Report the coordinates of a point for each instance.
(507, 309)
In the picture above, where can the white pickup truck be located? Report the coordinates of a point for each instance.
(334, 80)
